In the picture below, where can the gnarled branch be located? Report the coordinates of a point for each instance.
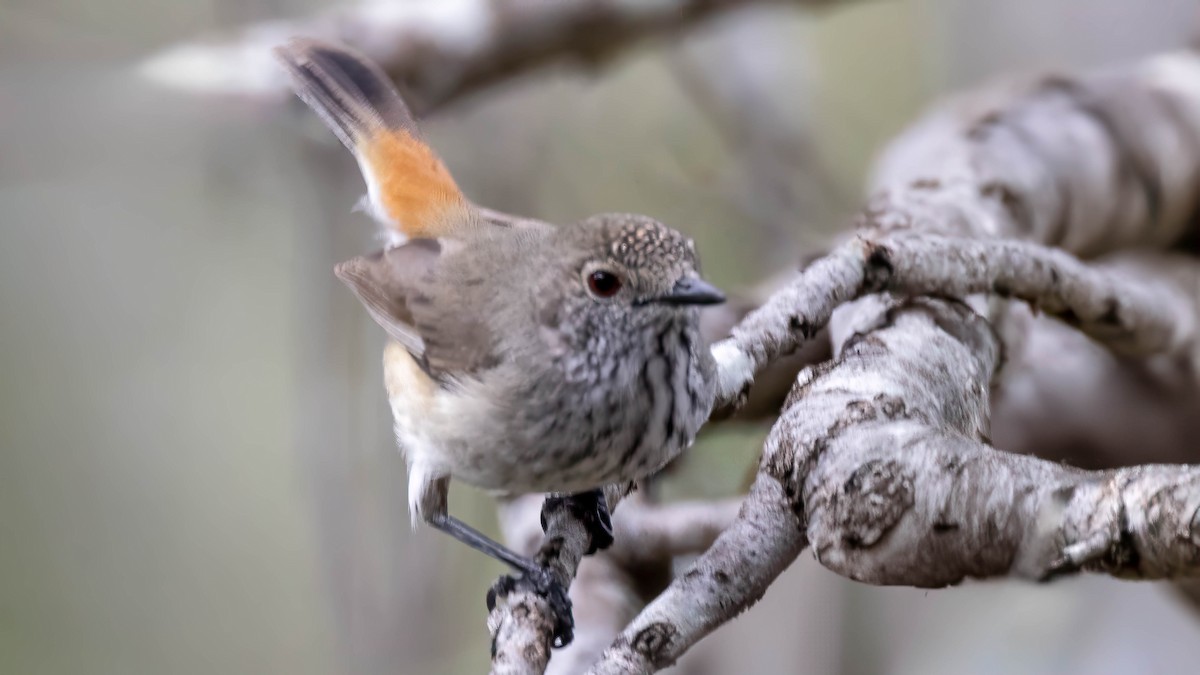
(881, 459)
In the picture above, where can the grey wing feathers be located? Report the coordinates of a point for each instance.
(400, 289)
(385, 282)
(351, 94)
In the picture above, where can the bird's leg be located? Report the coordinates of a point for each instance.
(537, 578)
(591, 509)
(481, 542)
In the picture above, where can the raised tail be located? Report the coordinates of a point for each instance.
(409, 189)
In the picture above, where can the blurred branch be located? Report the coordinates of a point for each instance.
(1055, 380)
(1189, 593)
(881, 459)
(776, 170)
(439, 50)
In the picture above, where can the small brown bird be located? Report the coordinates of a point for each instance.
(524, 359)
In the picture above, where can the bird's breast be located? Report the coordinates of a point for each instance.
(538, 430)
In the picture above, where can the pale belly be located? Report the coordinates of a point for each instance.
(468, 435)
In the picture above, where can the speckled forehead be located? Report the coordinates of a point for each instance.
(637, 243)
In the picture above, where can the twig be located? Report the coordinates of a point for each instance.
(611, 586)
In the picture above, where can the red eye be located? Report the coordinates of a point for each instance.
(603, 284)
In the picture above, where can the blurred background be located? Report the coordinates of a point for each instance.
(196, 467)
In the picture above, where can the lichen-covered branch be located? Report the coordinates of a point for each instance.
(743, 561)
(1090, 164)
(438, 51)
(881, 460)
(907, 490)
(1136, 304)
(1140, 305)
(1009, 162)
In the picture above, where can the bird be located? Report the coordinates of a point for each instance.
(522, 358)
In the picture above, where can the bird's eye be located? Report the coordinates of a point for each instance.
(603, 284)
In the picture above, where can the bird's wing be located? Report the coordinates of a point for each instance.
(409, 189)
(408, 292)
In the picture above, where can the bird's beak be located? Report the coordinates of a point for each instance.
(690, 291)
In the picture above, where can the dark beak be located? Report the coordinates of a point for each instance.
(690, 291)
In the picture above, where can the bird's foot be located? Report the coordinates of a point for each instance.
(591, 509)
(541, 582)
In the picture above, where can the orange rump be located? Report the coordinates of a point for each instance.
(414, 188)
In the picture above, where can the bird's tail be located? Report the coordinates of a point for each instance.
(409, 189)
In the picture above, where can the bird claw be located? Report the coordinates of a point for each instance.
(542, 583)
(591, 509)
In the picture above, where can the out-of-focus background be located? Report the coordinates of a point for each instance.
(196, 469)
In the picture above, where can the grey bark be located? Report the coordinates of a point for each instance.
(881, 460)
(610, 587)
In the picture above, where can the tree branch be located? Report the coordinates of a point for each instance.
(1005, 162)
(881, 459)
(908, 491)
(880, 462)
(611, 587)
(439, 51)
